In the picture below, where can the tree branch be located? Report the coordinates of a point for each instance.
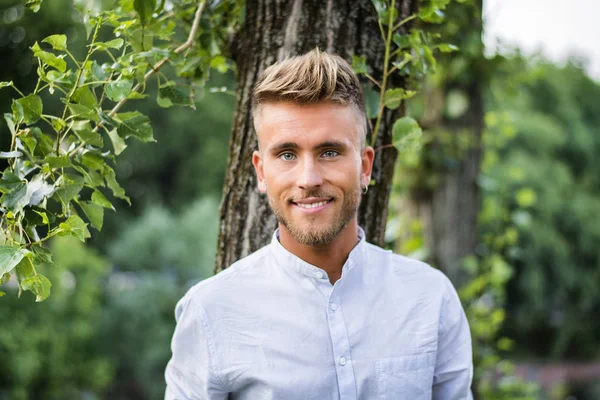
(186, 45)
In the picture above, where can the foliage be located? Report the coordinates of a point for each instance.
(543, 180)
(409, 55)
(48, 350)
(58, 162)
(157, 258)
(86, 339)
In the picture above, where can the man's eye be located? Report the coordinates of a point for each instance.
(287, 156)
(330, 154)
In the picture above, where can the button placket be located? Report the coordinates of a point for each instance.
(341, 346)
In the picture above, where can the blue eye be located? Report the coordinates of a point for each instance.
(287, 156)
(330, 154)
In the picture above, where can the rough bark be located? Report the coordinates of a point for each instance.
(273, 30)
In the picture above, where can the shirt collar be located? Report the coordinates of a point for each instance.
(289, 260)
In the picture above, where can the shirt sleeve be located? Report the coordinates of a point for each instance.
(454, 363)
(191, 373)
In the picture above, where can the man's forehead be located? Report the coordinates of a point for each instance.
(281, 122)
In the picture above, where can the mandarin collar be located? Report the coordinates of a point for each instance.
(290, 260)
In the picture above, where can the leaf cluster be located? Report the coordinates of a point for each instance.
(409, 53)
(61, 162)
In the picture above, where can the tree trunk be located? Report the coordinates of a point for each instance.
(272, 31)
(449, 209)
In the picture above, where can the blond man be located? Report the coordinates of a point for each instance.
(318, 313)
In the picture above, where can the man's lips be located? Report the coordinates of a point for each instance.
(312, 203)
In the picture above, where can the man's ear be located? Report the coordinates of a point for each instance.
(257, 162)
(366, 158)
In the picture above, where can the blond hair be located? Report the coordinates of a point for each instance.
(311, 78)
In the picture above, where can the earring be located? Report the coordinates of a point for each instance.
(365, 189)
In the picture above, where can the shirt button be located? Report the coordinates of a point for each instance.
(333, 306)
(342, 361)
(319, 275)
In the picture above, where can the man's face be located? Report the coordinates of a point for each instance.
(312, 167)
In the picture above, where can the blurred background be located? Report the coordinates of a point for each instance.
(105, 331)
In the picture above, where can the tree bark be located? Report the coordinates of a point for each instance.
(272, 31)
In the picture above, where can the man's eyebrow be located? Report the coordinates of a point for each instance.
(332, 143)
(283, 146)
(336, 144)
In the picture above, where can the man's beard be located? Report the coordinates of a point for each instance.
(315, 236)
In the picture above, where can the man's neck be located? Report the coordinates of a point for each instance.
(330, 257)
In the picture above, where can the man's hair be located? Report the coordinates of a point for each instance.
(311, 78)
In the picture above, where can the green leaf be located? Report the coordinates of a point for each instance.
(75, 226)
(111, 44)
(43, 255)
(24, 269)
(17, 198)
(30, 107)
(58, 42)
(44, 216)
(29, 141)
(79, 111)
(359, 64)
(94, 213)
(34, 5)
(6, 84)
(57, 123)
(402, 41)
(447, 48)
(136, 96)
(406, 134)
(9, 181)
(145, 9)
(119, 89)
(99, 199)
(85, 133)
(45, 143)
(55, 162)
(91, 177)
(9, 258)
(93, 161)
(393, 98)
(50, 59)
(135, 124)
(38, 285)
(111, 182)
(68, 189)
(169, 95)
(85, 97)
(118, 143)
(371, 102)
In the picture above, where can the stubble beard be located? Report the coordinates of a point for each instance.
(315, 236)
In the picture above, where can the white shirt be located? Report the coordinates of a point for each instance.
(273, 327)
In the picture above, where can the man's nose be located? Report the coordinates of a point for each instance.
(310, 175)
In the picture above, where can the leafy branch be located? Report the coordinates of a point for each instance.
(60, 166)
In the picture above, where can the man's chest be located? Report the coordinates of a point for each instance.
(329, 347)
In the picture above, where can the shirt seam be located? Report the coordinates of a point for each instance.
(211, 347)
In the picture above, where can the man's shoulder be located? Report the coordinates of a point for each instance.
(226, 282)
(405, 268)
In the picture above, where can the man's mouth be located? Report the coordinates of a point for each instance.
(312, 203)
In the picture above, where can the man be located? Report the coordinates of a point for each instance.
(318, 313)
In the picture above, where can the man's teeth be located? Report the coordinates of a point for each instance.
(313, 205)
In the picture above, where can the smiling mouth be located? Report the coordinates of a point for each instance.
(312, 205)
